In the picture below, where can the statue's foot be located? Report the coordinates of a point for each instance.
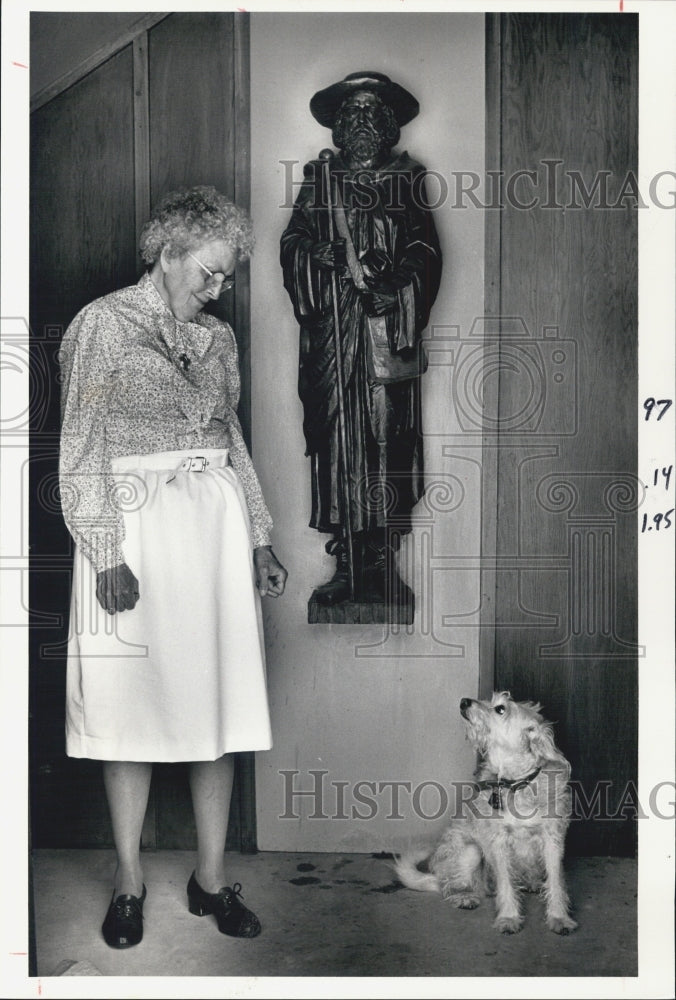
(373, 588)
(336, 590)
(381, 587)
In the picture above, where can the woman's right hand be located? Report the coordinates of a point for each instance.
(117, 589)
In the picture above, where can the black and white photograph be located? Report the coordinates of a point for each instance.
(338, 483)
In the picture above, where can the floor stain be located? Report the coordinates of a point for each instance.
(305, 867)
(341, 864)
(391, 887)
(305, 880)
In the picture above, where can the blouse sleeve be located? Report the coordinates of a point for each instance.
(259, 515)
(85, 477)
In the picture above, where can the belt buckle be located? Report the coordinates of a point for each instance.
(194, 467)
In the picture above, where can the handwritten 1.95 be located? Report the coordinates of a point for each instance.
(657, 519)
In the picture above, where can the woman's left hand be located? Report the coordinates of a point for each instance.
(270, 574)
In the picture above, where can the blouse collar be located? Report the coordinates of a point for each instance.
(174, 329)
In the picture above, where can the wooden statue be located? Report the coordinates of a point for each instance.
(362, 266)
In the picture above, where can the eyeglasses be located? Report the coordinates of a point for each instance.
(226, 281)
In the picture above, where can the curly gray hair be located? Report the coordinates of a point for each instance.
(186, 218)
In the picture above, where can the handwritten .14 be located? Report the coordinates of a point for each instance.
(665, 472)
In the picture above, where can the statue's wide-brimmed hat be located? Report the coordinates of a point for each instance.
(325, 104)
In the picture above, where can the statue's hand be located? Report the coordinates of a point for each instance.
(380, 275)
(375, 263)
(380, 303)
(331, 256)
(117, 589)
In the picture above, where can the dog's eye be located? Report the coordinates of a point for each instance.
(500, 709)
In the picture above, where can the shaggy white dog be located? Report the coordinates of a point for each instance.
(514, 823)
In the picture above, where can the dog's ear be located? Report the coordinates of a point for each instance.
(540, 737)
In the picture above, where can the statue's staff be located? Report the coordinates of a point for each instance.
(326, 156)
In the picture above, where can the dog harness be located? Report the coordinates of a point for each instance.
(497, 785)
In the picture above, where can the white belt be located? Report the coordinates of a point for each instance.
(200, 463)
(196, 463)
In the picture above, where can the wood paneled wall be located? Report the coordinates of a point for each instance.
(562, 278)
(162, 107)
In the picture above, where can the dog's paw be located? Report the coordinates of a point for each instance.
(508, 925)
(561, 925)
(465, 901)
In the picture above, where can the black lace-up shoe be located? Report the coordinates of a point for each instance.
(232, 916)
(123, 926)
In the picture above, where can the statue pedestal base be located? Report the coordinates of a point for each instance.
(361, 612)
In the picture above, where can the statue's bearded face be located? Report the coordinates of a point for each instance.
(365, 128)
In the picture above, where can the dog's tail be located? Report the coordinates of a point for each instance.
(408, 873)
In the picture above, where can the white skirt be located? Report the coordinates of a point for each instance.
(182, 676)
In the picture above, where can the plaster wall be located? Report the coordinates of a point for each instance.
(370, 704)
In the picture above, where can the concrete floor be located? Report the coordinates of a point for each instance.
(327, 915)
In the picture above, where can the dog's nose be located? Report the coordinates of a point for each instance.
(464, 705)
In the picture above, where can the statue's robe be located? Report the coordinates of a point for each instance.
(384, 209)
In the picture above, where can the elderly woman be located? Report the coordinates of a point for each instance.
(172, 535)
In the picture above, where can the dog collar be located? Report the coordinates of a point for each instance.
(497, 785)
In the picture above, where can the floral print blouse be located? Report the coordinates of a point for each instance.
(135, 381)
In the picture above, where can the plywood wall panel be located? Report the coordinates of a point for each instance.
(567, 607)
